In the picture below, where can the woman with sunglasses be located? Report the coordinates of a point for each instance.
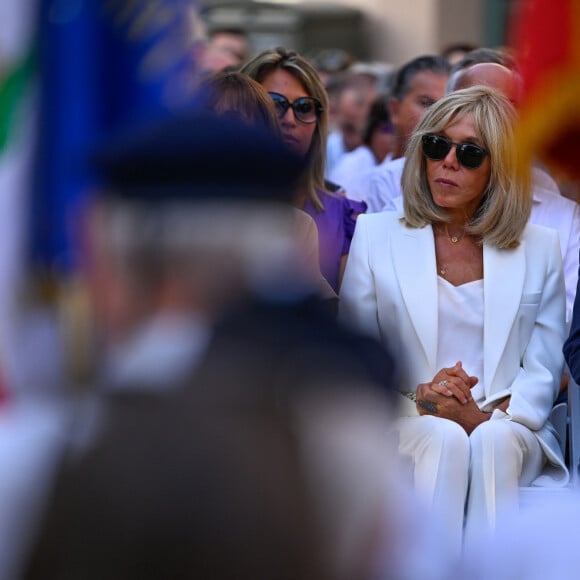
(236, 95)
(475, 299)
(302, 107)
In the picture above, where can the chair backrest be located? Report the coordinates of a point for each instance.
(574, 428)
(559, 418)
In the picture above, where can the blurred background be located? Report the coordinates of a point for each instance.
(385, 30)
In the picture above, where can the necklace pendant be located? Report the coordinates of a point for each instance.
(454, 239)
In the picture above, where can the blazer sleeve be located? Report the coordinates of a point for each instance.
(537, 384)
(358, 298)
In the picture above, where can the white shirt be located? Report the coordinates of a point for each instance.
(553, 210)
(335, 149)
(347, 172)
(380, 186)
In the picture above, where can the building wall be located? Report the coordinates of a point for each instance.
(402, 29)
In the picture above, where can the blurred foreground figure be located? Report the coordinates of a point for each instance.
(271, 462)
(198, 220)
(188, 227)
(237, 95)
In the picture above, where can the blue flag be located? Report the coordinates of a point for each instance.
(101, 64)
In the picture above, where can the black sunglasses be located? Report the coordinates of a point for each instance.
(306, 109)
(469, 155)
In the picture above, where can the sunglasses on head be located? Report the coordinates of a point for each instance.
(469, 155)
(306, 109)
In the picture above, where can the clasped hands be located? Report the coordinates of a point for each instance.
(448, 396)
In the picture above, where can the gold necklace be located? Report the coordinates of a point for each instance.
(453, 239)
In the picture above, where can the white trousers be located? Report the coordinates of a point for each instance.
(470, 480)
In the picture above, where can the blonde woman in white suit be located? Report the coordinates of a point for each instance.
(474, 299)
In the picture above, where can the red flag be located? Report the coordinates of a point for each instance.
(546, 37)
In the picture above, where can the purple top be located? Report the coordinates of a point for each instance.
(335, 230)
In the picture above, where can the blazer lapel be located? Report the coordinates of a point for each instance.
(416, 270)
(503, 281)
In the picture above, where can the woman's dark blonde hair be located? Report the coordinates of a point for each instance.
(236, 94)
(301, 69)
(506, 203)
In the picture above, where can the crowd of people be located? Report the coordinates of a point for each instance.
(331, 320)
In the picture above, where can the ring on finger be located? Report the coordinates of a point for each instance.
(443, 383)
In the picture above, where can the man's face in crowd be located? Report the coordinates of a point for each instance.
(426, 88)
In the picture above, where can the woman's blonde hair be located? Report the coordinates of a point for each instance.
(506, 203)
(291, 62)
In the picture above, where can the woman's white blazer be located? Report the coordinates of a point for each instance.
(390, 291)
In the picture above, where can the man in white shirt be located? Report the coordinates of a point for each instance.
(416, 86)
(378, 144)
(553, 210)
(353, 107)
(185, 228)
